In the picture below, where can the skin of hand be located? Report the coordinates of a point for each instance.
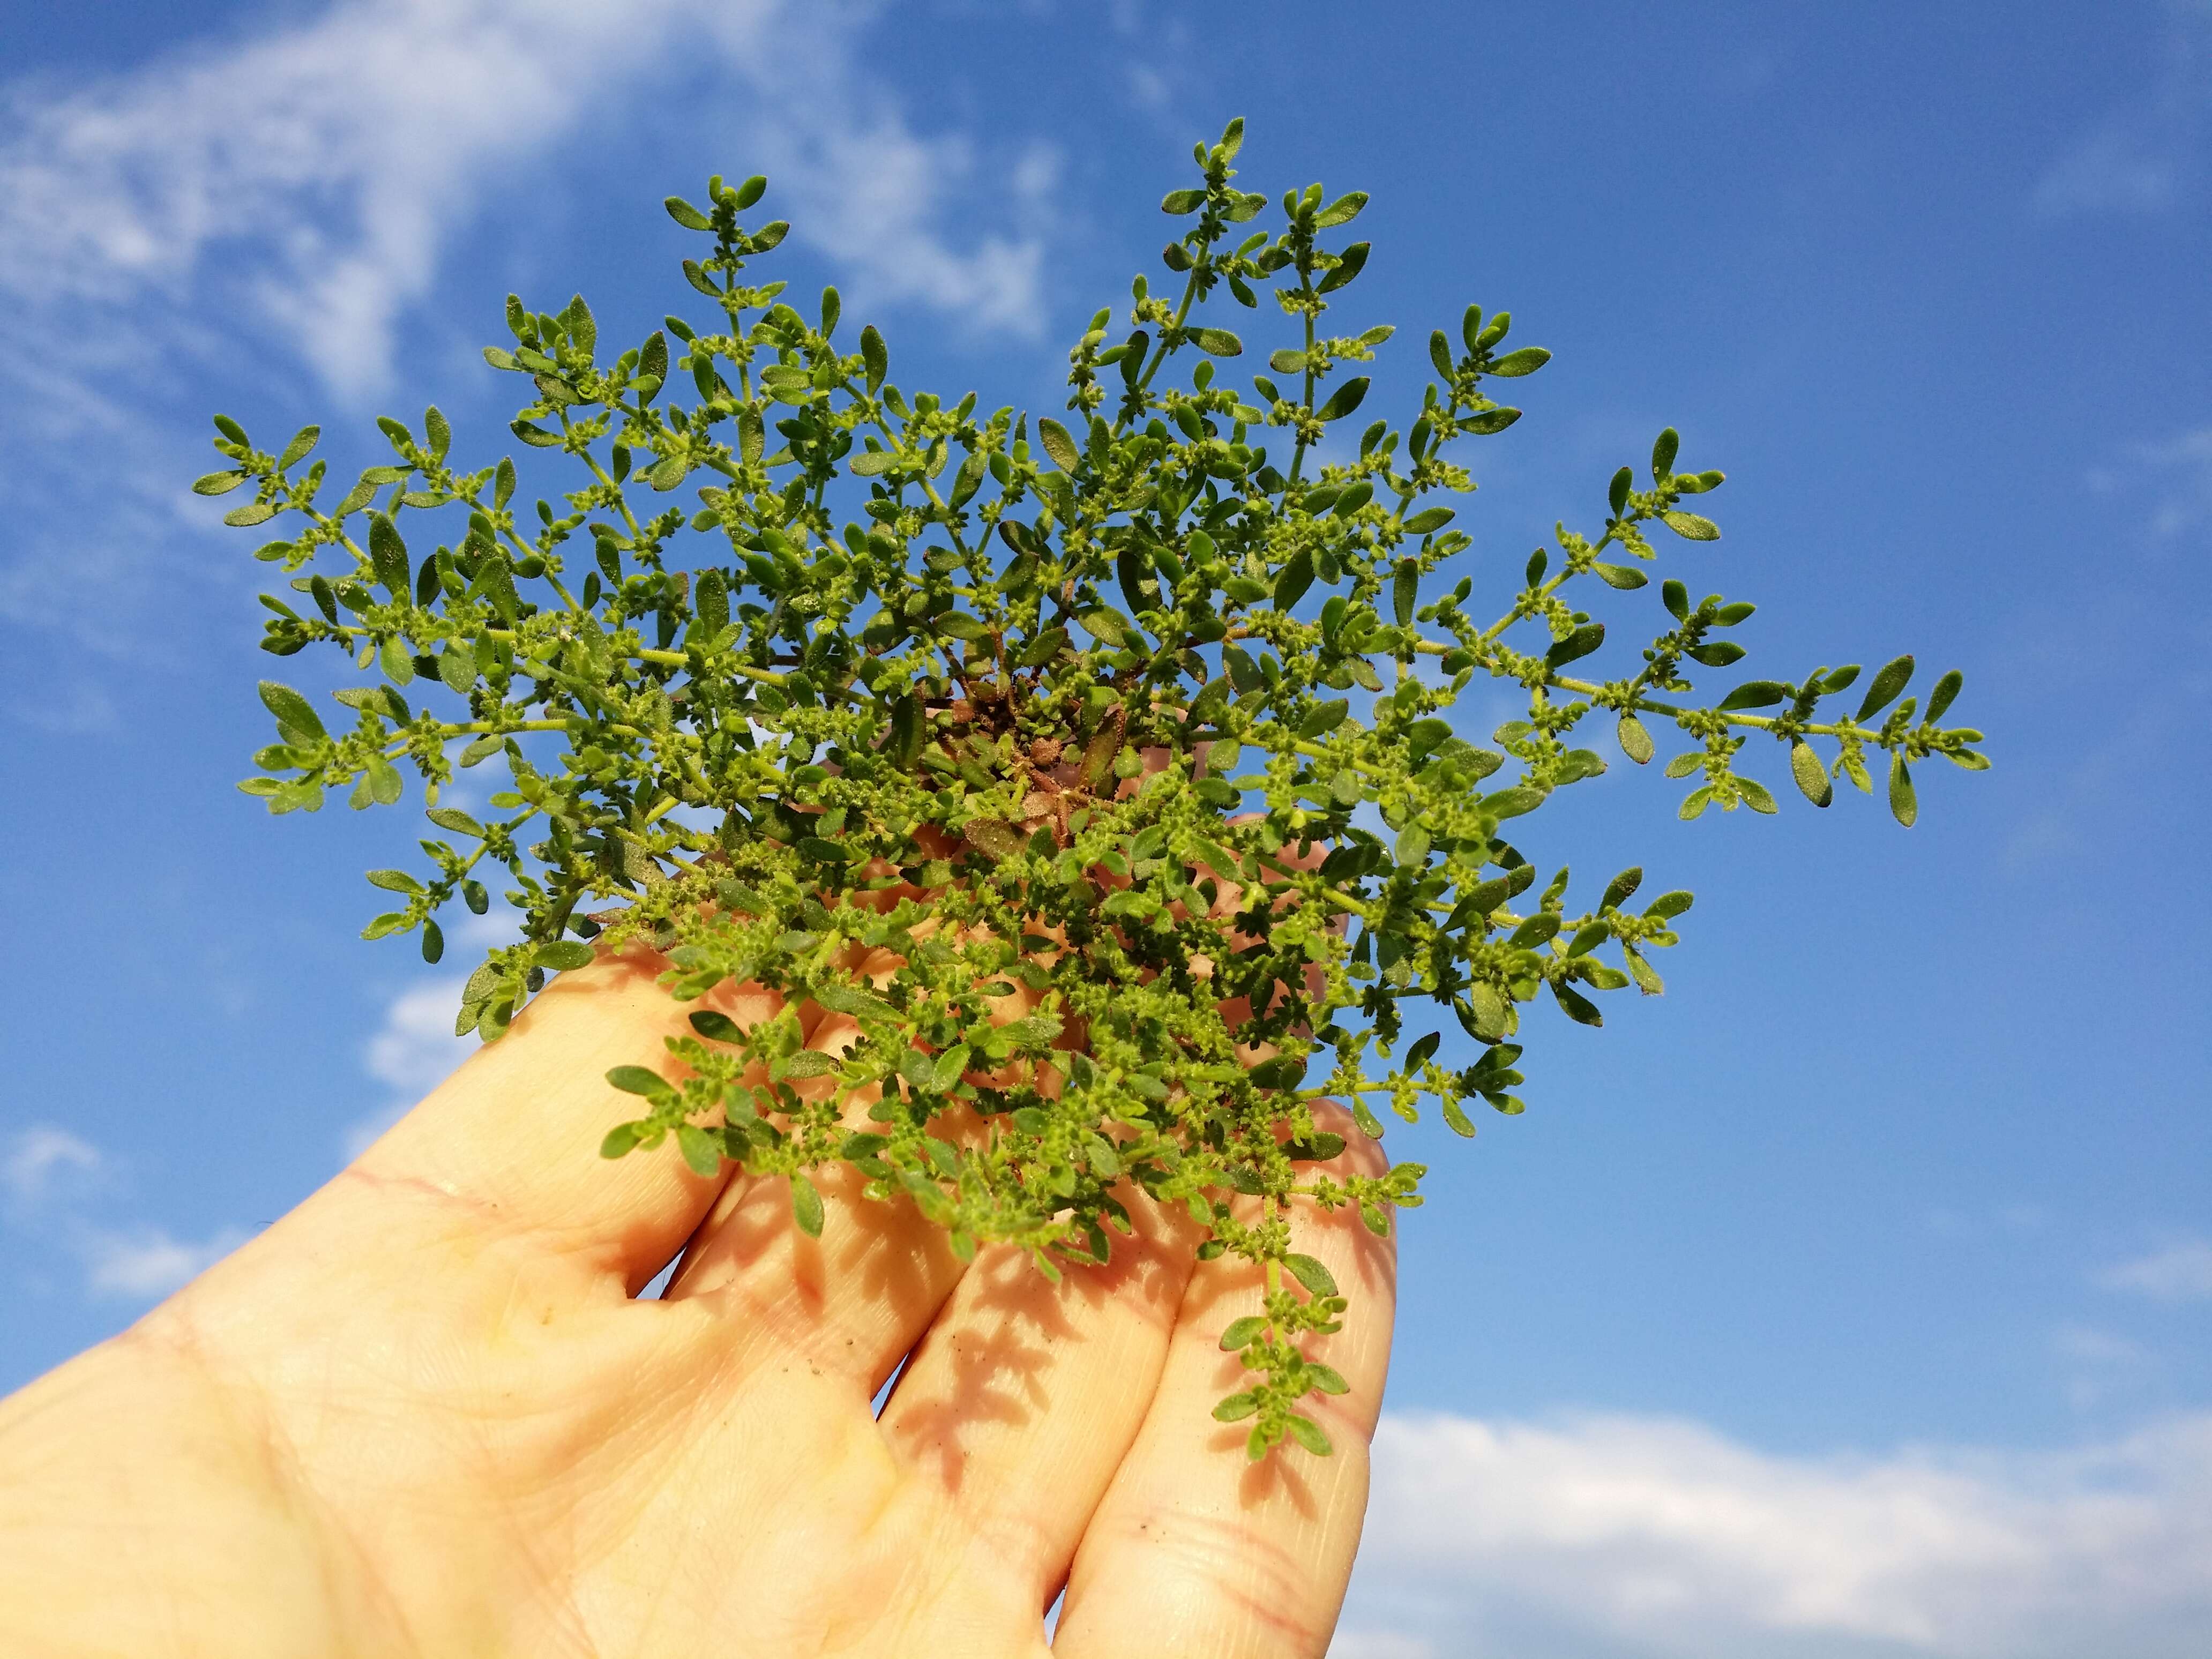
(424, 1415)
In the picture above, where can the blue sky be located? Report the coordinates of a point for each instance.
(1855, 1298)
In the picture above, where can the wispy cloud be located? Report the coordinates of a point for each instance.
(1662, 1537)
(60, 1188)
(291, 195)
(40, 1158)
(2144, 159)
(412, 1052)
(313, 175)
(147, 1262)
(2181, 1272)
(2176, 475)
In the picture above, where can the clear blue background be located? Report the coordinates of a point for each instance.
(1926, 281)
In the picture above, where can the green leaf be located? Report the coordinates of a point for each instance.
(637, 1081)
(1893, 679)
(1293, 579)
(1342, 212)
(562, 955)
(1624, 576)
(1580, 643)
(252, 512)
(1635, 740)
(805, 1206)
(1058, 445)
(291, 709)
(1491, 421)
(687, 216)
(1236, 1407)
(1812, 777)
(875, 357)
(394, 659)
(1243, 1333)
(1904, 805)
(621, 1139)
(1576, 1006)
(1345, 399)
(1515, 364)
(1108, 624)
(1757, 796)
(1312, 1274)
(1587, 939)
(1324, 718)
(1757, 693)
(1217, 343)
(1663, 455)
(1690, 525)
(702, 1149)
(218, 483)
(1946, 689)
(1512, 802)
(717, 1027)
(1308, 1433)
(845, 1000)
(1429, 519)
(1181, 201)
(1405, 592)
(1349, 264)
(951, 1066)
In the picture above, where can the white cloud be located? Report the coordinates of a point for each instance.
(1630, 1536)
(2145, 158)
(53, 1177)
(329, 160)
(416, 1049)
(413, 1052)
(38, 1157)
(2179, 474)
(147, 1262)
(2123, 169)
(2182, 1272)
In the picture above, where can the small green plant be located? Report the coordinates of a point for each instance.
(1097, 768)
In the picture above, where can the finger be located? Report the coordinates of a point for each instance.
(1195, 1550)
(853, 1300)
(509, 1144)
(1025, 1395)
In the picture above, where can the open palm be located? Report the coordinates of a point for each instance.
(424, 1414)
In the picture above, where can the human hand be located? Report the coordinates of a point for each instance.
(422, 1415)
